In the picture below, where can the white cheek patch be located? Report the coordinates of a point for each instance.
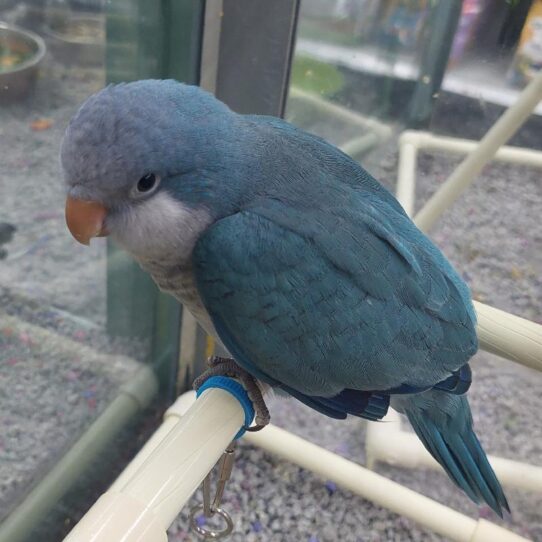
(160, 227)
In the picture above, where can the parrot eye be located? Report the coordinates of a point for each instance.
(146, 183)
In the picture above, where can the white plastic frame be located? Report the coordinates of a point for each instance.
(138, 509)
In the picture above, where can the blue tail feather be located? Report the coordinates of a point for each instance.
(443, 422)
(436, 446)
(488, 488)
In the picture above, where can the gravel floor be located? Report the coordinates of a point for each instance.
(51, 389)
(493, 235)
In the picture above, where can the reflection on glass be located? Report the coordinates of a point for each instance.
(62, 361)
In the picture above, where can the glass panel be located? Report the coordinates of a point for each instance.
(76, 341)
(364, 71)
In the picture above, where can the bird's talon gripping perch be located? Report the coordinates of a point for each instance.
(219, 366)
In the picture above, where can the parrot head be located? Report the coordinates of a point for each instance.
(138, 159)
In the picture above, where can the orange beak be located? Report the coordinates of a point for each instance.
(85, 219)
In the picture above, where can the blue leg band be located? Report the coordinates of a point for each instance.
(237, 390)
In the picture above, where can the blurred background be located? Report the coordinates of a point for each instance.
(91, 353)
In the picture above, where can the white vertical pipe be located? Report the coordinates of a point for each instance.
(406, 180)
(188, 348)
(465, 173)
(376, 433)
(212, 28)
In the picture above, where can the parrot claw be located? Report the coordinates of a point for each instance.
(219, 366)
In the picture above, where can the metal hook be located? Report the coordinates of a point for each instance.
(211, 509)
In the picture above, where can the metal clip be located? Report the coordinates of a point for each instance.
(211, 509)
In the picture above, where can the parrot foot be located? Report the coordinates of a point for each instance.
(219, 366)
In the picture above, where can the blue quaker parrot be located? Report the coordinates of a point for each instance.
(285, 249)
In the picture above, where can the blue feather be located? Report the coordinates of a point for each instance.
(371, 406)
(458, 383)
(443, 422)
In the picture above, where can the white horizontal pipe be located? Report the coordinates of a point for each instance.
(121, 515)
(429, 141)
(378, 489)
(148, 498)
(386, 442)
(509, 336)
(360, 145)
(465, 173)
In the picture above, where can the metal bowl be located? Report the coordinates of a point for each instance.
(18, 80)
(77, 38)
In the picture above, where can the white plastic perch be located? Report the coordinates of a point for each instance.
(411, 141)
(148, 495)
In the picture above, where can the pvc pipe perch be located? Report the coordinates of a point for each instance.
(145, 500)
(379, 490)
(412, 141)
(150, 492)
(406, 182)
(464, 174)
(509, 336)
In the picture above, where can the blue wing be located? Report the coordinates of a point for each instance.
(321, 301)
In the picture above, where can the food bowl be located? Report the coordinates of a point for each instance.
(78, 38)
(21, 53)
